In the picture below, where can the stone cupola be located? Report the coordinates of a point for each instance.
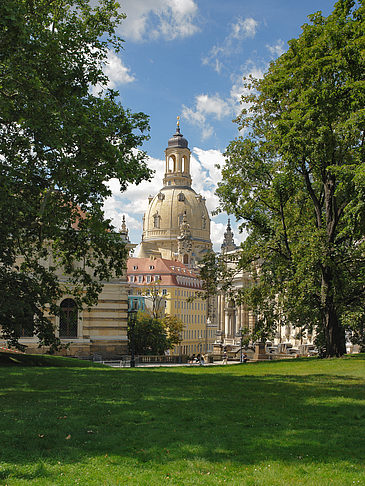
(177, 157)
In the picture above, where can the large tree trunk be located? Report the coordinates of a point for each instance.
(334, 333)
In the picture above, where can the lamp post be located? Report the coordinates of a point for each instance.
(132, 315)
(207, 325)
(240, 335)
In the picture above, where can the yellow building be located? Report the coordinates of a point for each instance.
(101, 330)
(177, 283)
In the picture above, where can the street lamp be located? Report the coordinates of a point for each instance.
(207, 325)
(132, 316)
(240, 335)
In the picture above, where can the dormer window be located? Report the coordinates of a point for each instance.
(152, 267)
(135, 267)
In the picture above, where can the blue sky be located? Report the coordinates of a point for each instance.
(187, 58)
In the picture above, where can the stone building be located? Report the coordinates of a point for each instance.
(176, 225)
(172, 283)
(233, 319)
(102, 329)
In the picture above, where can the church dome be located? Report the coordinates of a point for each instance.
(166, 211)
(177, 140)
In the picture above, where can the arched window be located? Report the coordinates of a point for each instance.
(68, 319)
(184, 164)
(156, 220)
(172, 163)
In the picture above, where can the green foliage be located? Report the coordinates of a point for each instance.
(60, 144)
(152, 335)
(296, 178)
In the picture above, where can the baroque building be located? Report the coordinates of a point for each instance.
(177, 288)
(235, 321)
(99, 330)
(176, 225)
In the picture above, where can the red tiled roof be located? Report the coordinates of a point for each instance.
(167, 270)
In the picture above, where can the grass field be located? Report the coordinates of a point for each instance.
(300, 422)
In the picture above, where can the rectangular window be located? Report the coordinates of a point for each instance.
(140, 278)
(148, 278)
(164, 292)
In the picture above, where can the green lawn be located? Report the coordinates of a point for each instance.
(300, 422)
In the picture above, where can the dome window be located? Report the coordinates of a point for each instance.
(161, 196)
(181, 197)
(156, 220)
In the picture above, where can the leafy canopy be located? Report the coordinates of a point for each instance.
(60, 144)
(153, 335)
(295, 179)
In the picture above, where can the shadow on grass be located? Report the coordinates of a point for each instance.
(160, 415)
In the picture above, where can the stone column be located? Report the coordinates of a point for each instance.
(226, 323)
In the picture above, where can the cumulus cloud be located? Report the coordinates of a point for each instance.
(207, 109)
(238, 88)
(277, 49)
(167, 19)
(116, 71)
(217, 234)
(232, 44)
(206, 106)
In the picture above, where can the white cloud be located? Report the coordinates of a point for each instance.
(209, 108)
(169, 19)
(205, 106)
(116, 71)
(277, 49)
(238, 88)
(217, 234)
(232, 44)
(244, 28)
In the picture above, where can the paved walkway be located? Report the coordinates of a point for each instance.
(115, 364)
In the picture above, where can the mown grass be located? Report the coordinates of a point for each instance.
(280, 423)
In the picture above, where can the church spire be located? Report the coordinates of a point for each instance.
(124, 230)
(228, 242)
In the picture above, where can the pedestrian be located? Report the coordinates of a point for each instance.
(225, 357)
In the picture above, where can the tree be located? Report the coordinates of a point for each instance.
(151, 335)
(296, 178)
(216, 274)
(60, 144)
(153, 294)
